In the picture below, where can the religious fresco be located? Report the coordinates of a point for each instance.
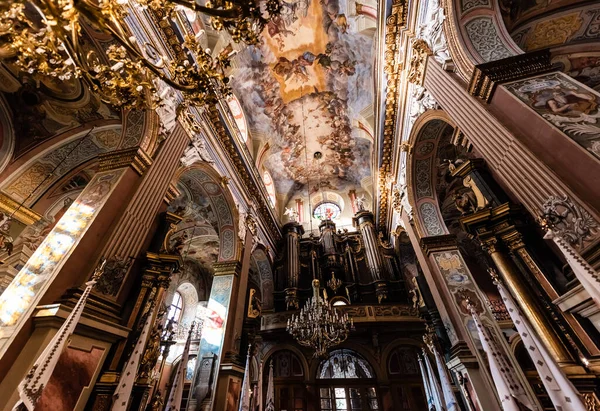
(566, 104)
(207, 219)
(302, 87)
(30, 283)
(583, 67)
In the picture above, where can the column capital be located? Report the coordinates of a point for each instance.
(438, 243)
(489, 244)
(134, 157)
(227, 268)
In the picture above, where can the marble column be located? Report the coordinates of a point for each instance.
(363, 220)
(291, 233)
(527, 302)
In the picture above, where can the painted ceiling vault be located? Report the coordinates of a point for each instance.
(303, 90)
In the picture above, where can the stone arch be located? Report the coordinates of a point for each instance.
(306, 368)
(359, 349)
(204, 184)
(476, 34)
(421, 171)
(261, 263)
(26, 177)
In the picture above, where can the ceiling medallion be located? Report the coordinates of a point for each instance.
(318, 325)
(43, 38)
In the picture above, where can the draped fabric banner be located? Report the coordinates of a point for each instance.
(245, 395)
(587, 276)
(434, 385)
(270, 402)
(449, 397)
(510, 390)
(176, 394)
(123, 392)
(32, 386)
(259, 396)
(560, 390)
(430, 403)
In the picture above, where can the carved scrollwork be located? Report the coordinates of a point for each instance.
(115, 269)
(570, 221)
(421, 51)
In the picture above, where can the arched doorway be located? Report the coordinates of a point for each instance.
(288, 381)
(346, 381)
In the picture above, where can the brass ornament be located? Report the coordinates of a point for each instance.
(43, 38)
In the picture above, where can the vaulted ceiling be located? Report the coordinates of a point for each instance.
(308, 88)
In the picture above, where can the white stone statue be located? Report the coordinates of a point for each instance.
(292, 214)
(360, 203)
(196, 152)
(421, 101)
(167, 109)
(433, 33)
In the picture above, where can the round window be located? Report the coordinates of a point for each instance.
(327, 211)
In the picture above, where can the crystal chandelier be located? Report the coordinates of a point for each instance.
(43, 38)
(318, 325)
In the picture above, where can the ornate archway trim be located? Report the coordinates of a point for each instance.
(423, 141)
(223, 205)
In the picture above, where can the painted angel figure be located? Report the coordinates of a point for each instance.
(291, 213)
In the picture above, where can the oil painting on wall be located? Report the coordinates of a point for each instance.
(302, 87)
(566, 104)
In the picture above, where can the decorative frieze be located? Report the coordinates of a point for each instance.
(19, 212)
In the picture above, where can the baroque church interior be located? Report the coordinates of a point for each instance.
(300, 205)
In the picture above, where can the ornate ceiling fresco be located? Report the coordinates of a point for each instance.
(302, 88)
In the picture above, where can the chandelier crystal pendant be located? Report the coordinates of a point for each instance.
(43, 38)
(318, 325)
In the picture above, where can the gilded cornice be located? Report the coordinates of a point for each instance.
(244, 174)
(134, 157)
(487, 76)
(393, 69)
(19, 212)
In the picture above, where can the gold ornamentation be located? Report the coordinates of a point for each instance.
(418, 61)
(554, 32)
(393, 69)
(134, 157)
(254, 305)
(19, 212)
(42, 38)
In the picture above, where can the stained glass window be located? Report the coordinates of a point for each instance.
(327, 211)
(344, 364)
(268, 180)
(175, 308)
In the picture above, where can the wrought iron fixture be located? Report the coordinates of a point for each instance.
(318, 325)
(44, 39)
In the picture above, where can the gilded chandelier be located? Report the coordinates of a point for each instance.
(43, 38)
(318, 325)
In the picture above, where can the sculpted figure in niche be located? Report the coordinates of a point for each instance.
(465, 202)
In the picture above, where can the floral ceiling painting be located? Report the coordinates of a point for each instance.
(302, 88)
